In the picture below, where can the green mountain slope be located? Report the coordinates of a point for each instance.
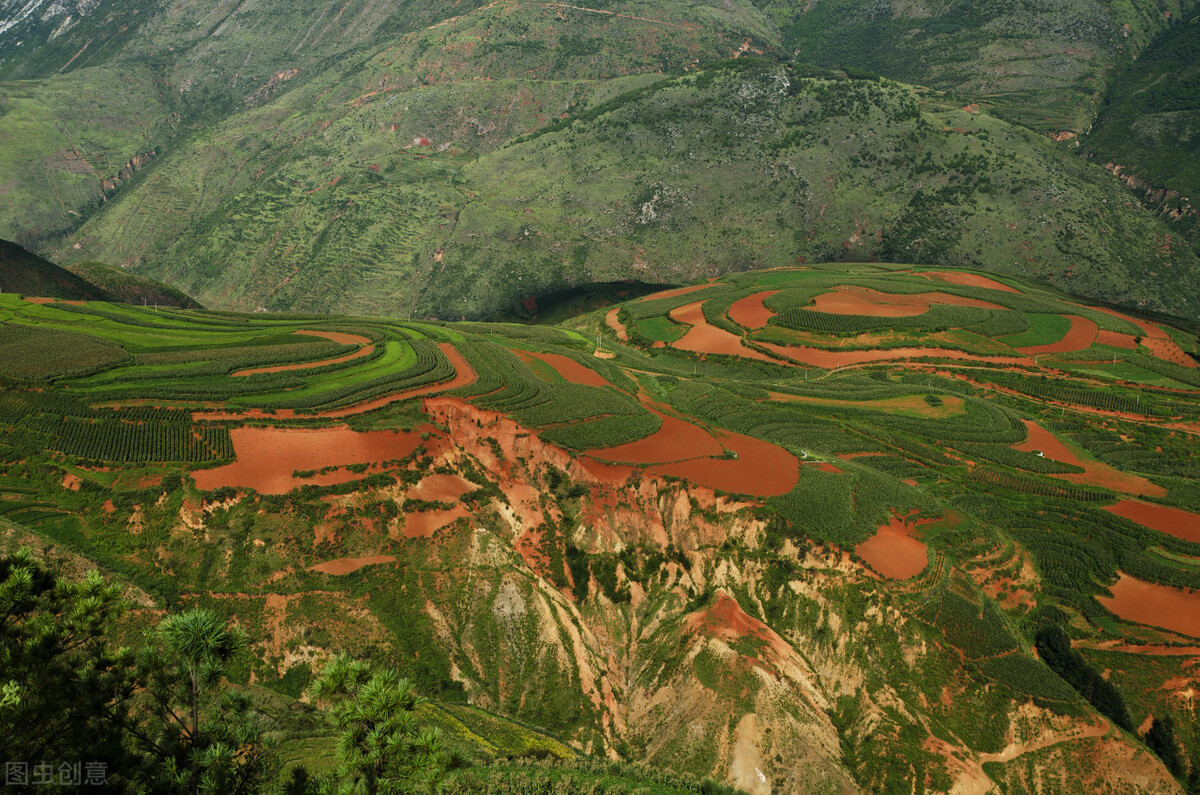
(1147, 128)
(746, 164)
(353, 160)
(1043, 64)
(24, 272)
(130, 288)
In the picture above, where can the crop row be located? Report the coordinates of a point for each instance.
(141, 442)
(1026, 676)
(1017, 459)
(1051, 389)
(32, 353)
(431, 367)
(1042, 488)
(979, 631)
(940, 317)
(573, 415)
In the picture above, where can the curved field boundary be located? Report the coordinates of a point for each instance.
(571, 370)
(752, 312)
(1040, 440)
(1116, 339)
(857, 300)
(267, 458)
(1163, 518)
(1173, 609)
(1079, 336)
(684, 450)
(705, 338)
(833, 359)
(759, 468)
(464, 374)
(676, 440)
(365, 349)
(967, 280)
(893, 552)
(912, 405)
(1156, 340)
(675, 292)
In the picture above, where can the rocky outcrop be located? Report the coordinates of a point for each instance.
(110, 185)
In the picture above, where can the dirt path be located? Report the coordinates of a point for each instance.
(1011, 752)
(615, 324)
(833, 360)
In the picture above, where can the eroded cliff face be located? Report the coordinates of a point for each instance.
(639, 617)
(696, 643)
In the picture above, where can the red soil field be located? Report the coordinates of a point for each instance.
(1156, 340)
(703, 338)
(750, 312)
(1117, 340)
(968, 280)
(266, 457)
(684, 450)
(675, 292)
(824, 466)
(1174, 609)
(344, 339)
(1172, 521)
(1094, 474)
(832, 359)
(464, 374)
(1080, 336)
(347, 565)
(676, 440)
(893, 552)
(616, 325)
(441, 488)
(852, 304)
(570, 369)
(760, 469)
(865, 301)
(425, 523)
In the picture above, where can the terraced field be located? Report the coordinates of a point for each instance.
(981, 450)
